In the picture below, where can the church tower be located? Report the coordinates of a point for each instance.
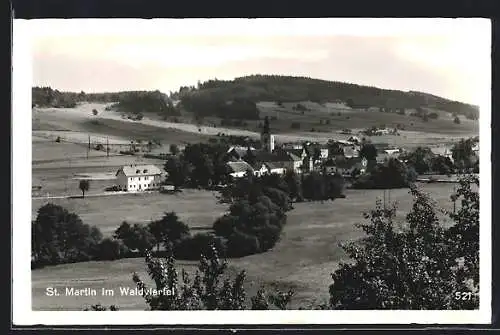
(266, 139)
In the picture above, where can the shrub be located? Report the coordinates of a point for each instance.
(99, 307)
(191, 248)
(260, 218)
(241, 244)
(110, 249)
(295, 125)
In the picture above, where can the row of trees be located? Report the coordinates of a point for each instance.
(140, 103)
(392, 173)
(135, 103)
(418, 265)
(423, 160)
(209, 104)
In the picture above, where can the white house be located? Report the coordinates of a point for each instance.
(239, 168)
(260, 169)
(347, 166)
(392, 151)
(275, 167)
(323, 152)
(138, 177)
(297, 162)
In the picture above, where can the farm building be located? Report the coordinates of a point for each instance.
(346, 166)
(138, 178)
(239, 152)
(276, 167)
(239, 168)
(260, 169)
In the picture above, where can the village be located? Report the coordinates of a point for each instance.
(340, 157)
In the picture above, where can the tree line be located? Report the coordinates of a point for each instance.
(129, 102)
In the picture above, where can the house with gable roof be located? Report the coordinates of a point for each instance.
(136, 178)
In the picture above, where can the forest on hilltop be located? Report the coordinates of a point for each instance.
(294, 89)
(237, 98)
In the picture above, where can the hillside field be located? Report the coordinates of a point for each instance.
(302, 260)
(76, 124)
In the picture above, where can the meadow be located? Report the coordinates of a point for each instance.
(313, 126)
(303, 259)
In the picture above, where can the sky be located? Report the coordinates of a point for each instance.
(445, 57)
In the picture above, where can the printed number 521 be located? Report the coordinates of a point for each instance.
(463, 295)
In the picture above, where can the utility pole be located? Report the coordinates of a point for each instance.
(88, 149)
(107, 147)
(454, 197)
(384, 199)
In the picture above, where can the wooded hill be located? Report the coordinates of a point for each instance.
(237, 98)
(294, 89)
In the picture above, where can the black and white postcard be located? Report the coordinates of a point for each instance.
(251, 171)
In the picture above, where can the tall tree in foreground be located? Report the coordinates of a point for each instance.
(84, 186)
(417, 265)
(464, 240)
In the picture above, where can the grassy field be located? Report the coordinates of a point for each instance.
(313, 125)
(340, 118)
(198, 209)
(55, 166)
(302, 260)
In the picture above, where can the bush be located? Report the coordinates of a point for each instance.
(110, 249)
(99, 308)
(192, 248)
(259, 218)
(295, 125)
(241, 244)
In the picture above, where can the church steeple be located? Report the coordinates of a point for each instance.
(266, 129)
(266, 139)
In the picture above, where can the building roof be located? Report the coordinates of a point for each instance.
(278, 156)
(345, 163)
(239, 166)
(139, 170)
(275, 165)
(294, 157)
(239, 150)
(350, 152)
(295, 152)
